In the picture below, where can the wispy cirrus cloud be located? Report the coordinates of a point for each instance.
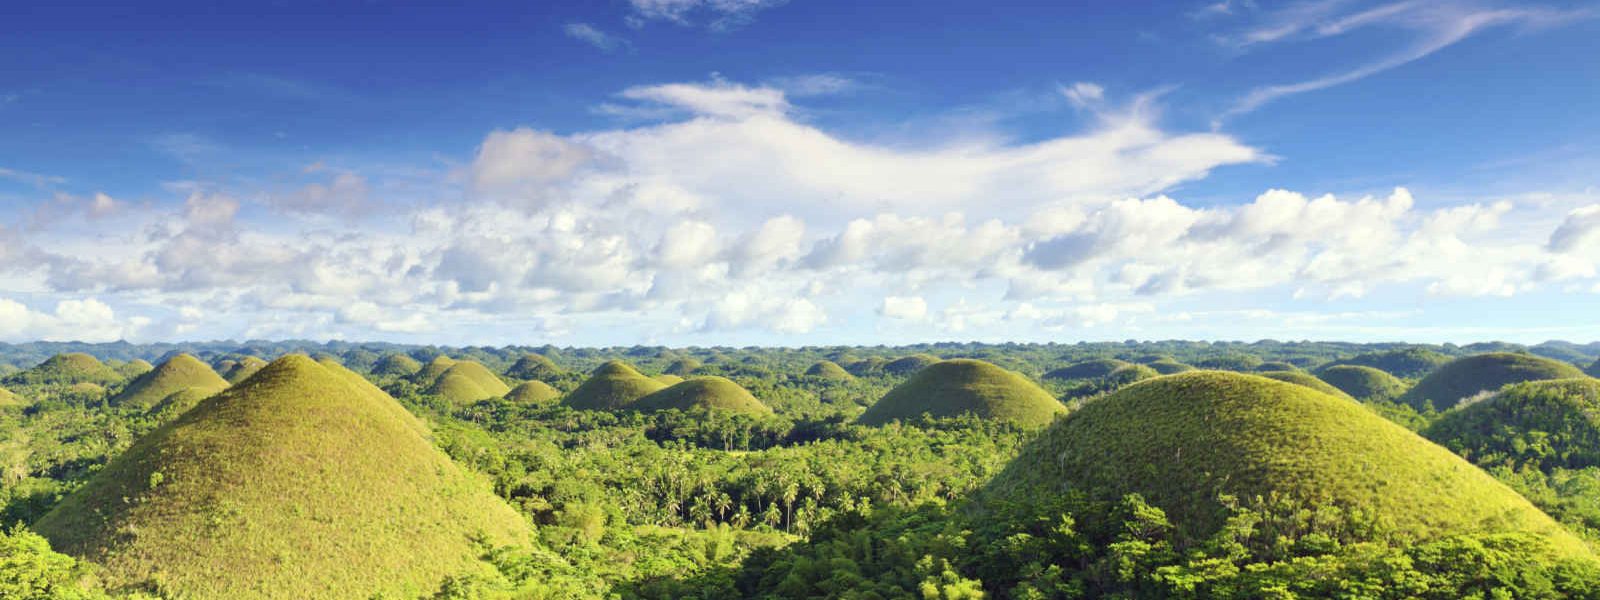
(596, 37)
(718, 15)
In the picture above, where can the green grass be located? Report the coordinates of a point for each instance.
(907, 365)
(1363, 383)
(1169, 366)
(297, 483)
(397, 365)
(1131, 374)
(964, 386)
(134, 368)
(466, 382)
(1184, 441)
(827, 369)
(613, 385)
(667, 379)
(67, 369)
(1274, 366)
(1308, 380)
(534, 367)
(1543, 424)
(533, 393)
(432, 370)
(1408, 363)
(707, 393)
(9, 399)
(682, 367)
(1466, 377)
(243, 368)
(1089, 369)
(179, 373)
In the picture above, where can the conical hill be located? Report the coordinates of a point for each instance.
(534, 367)
(1466, 377)
(1363, 383)
(67, 369)
(468, 381)
(396, 364)
(534, 393)
(243, 368)
(432, 370)
(709, 393)
(964, 386)
(613, 385)
(179, 373)
(827, 369)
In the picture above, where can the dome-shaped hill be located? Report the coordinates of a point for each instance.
(1183, 440)
(1466, 377)
(533, 392)
(1168, 367)
(134, 368)
(432, 370)
(297, 483)
(243, 368)
(1406, 362)
(1230, 361)
(1363, 383)
(866, 367)
(1131, 374)
(468, 381)
(682, 367)
(907, 365)
(613, 385)
(179, 373)
(67, 369)
(396, 365)
(1544, 424)
(1089, 369)
(1308, 380)
(534, 367)
(709, 393)
(964, 386)
(1275, 366)
(827, 369)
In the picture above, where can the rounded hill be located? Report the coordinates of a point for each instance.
(1089, 369)
(243, 368)
(432, 370)
(180, 373)
(533, 392)
(1363, 383)
(827, 369)
(396, 365)
(613, 385)
(1543, 424)
(67, 369)
(1168, 367)
(297, 483)
(682, 367)
(134, 368)
(965, 386)
(468, 381)
(1408, 363)
(534, 367)
(907, 365)
(1466, 377)
(1302, 378)
(1182, 441)
(707, 393)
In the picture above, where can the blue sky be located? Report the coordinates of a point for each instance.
(758, 172)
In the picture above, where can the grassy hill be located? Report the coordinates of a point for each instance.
(828, 369)
(682, 367)
(1089, 369)
(297, 483)
(1183, 440)
(534, 367)
(1169, 366)
(1130, 374)
(964, 386)
(709, 393)
(1276, 366)
(66, 369)
(1409, 363)
(468, 381)
(1308, 380)
(1363, 383)
(1543, 424)
(134, 368)
(907, 365)
(1465, 377)
(613, 385)
(431, 371)
(396, 364)
(243, 368)
(179, 373)
(667, 379)
(533, 392)
(8, 399)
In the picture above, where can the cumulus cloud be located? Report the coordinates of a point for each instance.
(908, 308)
(523, 166)
(1580, 230)
(345, 193)
(84, 320)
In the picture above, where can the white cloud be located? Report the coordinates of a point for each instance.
(523, 165)
(593, 36)
(85, 320)
(718, 99)
(1084, 94)
(345, 194)
(1579, 231)
(907, 308)
(722, 14)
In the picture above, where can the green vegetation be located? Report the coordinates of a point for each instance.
(430, 372)
(1545, 425)
(1594, 369)
(533, 393)
(1408, 363)
(827, 369)
(8, 399)
(1276, 366)
(1464, 378)
(705, 393)
(613, 385)
(243, 368)
(1130, 374)
(134, 368)
(1242, 363)
(682, 367)
(468, 381)
(297, 483)
(907, 365)
(1302, 378)
(1363, 383)
(534, 367)
(667, 379)
(395, 364)
(958, 387)
(66, 369)
(180, 373)
(1089, 369)
(1169, 366)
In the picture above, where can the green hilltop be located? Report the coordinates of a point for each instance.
(1409, 363)
(1169, 366)
(682, 367)
(708, 393)
(397, 365)
(534, 367)
(297, 483)
(667, 379)
(1276, 366)
(1469, 376)
(179, 373)
(1362, 382)
(965, 386)
(1089, 369)
(907, 365)
(1543, 424)
(134, 368)
(534, 393)
(827, 369)
(613, 385)
(67, 369)
(1302, 378)
(431, 371)
(468, 381)
(243, 368)
(1183, 441)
